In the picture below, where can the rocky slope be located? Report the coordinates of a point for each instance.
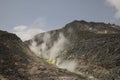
(17, 62)
(13, 57)
(89, 49)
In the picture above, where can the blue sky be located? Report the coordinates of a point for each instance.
(52, 14)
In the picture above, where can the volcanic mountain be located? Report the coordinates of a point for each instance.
(90, 49)
(79, 51)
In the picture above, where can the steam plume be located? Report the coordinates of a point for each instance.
(52, 55)
(116, 5)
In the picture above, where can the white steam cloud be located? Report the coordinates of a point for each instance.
(116, 5)
(52, 54)
(26, 33)
(40, 49)
(58, 47)
(20, 28)
(69, 65)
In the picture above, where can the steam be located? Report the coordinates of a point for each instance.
(42, 49)
(26, 33)
(116, 5)
(34, 48)
(58, 47)
(52, 54)
(69, 65)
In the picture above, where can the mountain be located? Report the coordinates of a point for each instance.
(79, 51)
(90, 49)
(17, 62)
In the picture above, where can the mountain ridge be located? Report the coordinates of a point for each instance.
(94, 46)
(79, 51)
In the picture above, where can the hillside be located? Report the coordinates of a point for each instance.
(17, 62)
(90, 49)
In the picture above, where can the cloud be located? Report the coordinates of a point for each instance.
(116, 5)
(26, 33)
(20, 28)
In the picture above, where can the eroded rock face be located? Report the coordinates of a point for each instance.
(95, 47)
(17, 62)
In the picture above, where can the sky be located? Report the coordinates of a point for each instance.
(29, 17)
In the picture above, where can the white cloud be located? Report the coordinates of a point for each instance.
(116, 5)
(20, 28)
(26, 33)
